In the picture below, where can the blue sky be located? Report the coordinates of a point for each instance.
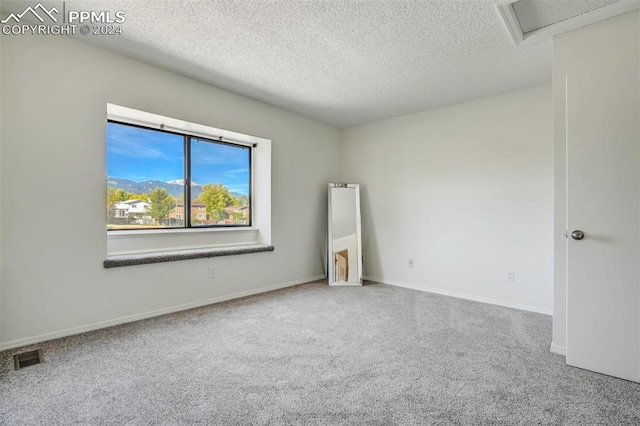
(140, 155)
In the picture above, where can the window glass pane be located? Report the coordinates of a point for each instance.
(145, 169)
(220, 182)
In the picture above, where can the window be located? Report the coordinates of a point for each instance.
(159, 179)
(138, 233)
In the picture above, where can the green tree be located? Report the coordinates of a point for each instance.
(116, 196)
(195, 220)
(133, 196)
(161, 204)
(216, 197)
(243, 200)
(216, 215)
(238, 217)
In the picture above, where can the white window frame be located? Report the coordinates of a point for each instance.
(152, 240)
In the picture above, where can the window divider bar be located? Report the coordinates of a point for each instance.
(187, 181)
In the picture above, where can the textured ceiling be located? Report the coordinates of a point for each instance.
(344, 62)
(535, 14)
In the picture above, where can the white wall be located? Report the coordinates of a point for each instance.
(54, 95)
(466, 191)
(343, 212)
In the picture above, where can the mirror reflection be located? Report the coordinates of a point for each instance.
(345, 266)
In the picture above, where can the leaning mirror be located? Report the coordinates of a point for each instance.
(345, 247)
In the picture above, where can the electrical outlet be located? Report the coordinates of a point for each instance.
(212, 272)
(411, 263)
(511, 276)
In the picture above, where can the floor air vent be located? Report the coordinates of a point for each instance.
(26, 359)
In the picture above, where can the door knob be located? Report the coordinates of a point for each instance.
(577, 234)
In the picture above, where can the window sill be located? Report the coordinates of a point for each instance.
(146, 241)
(133, 259)
(115, 233)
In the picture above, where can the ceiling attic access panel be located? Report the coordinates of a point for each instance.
(533, 20)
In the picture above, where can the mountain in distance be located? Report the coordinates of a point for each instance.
(174, 187)
(181, 182)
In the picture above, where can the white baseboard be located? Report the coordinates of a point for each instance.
(137, 317)
(560, 350)
(464, 296)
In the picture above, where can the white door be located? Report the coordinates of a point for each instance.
(603, 282)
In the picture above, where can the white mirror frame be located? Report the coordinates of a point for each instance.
(330, 254)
